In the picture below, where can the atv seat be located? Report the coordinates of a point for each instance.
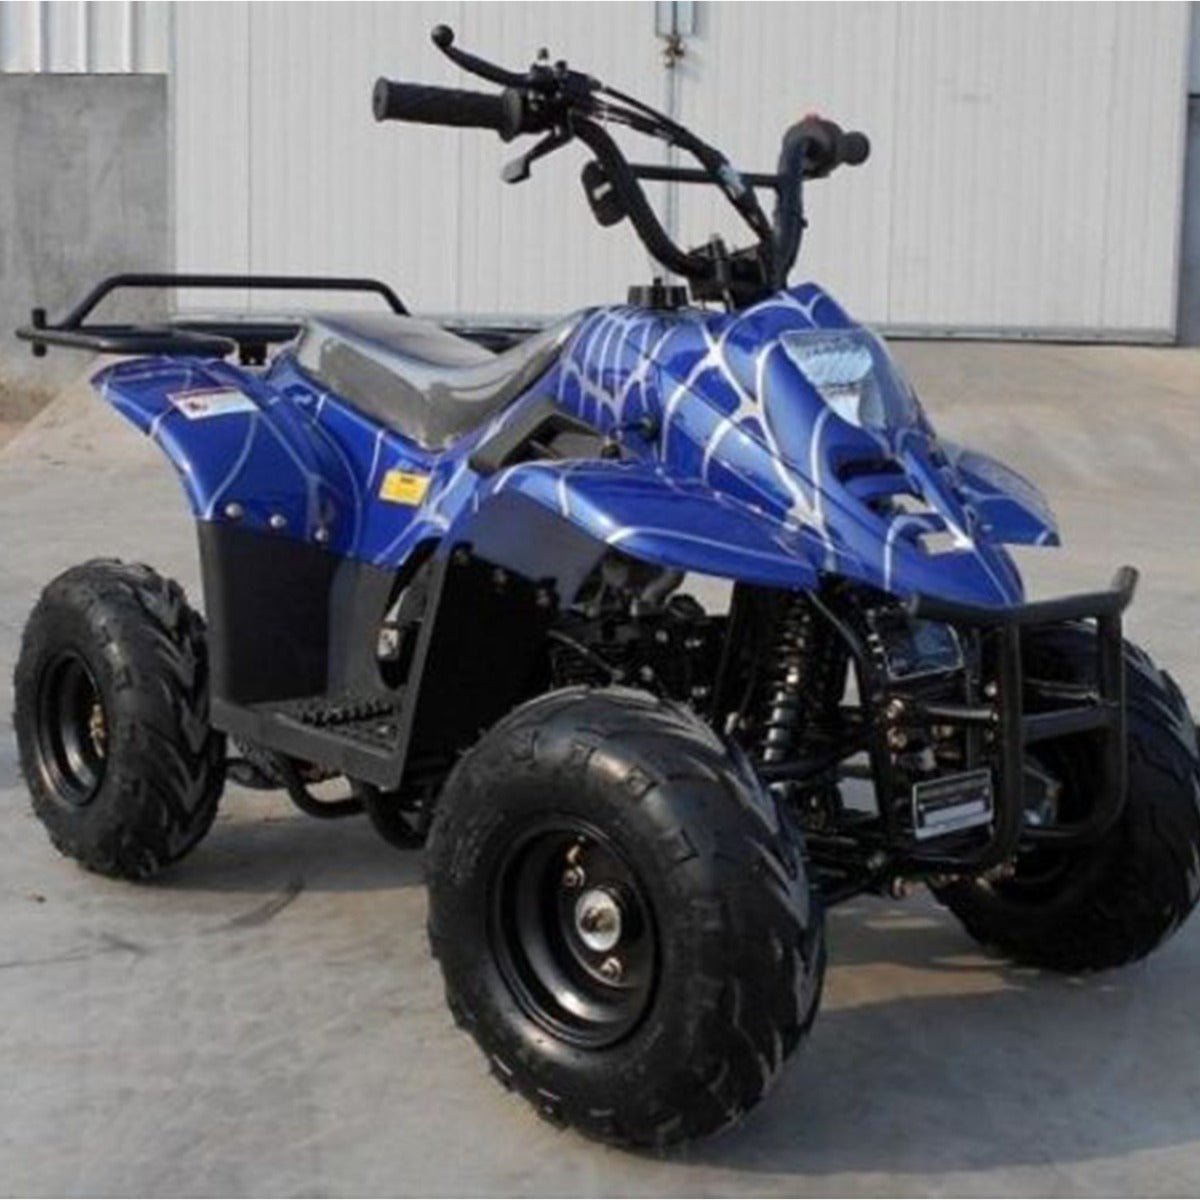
(419, 379)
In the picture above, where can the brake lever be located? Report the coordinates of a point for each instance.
(443, 38)
(518, 171)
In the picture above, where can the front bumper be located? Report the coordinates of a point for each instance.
(1015, 730)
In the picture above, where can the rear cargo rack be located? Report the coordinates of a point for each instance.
(200, 337)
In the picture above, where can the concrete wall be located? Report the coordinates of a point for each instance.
(83, 193)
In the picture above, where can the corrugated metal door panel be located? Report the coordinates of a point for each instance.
(1025, 174)
(1144, 145)
(1032, 183)
(76, 37)
(425, 208)
(212, 144)
(533, 247)
(332, 191)
(754, 69)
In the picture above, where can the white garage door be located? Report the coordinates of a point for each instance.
(1026, 175)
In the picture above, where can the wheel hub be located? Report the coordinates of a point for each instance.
(72, 729)
(573, 933)
(598, 919)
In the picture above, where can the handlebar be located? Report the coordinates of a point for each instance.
(424, 104)
(566, 104)
(811, 149)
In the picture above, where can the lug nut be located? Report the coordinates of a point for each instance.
(573, 878)
(612, 969)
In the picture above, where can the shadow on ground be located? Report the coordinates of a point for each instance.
(930, 1057)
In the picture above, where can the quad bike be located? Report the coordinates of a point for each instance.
(444, 566)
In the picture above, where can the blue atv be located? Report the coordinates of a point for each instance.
(442, 572)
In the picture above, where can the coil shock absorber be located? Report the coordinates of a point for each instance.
(802, 688)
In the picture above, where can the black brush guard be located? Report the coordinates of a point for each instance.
(1016, 729)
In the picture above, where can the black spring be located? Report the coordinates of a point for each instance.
(803, 684)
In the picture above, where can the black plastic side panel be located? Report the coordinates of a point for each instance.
(358, 602)
(480, 654)
(522, 535)
(267, 603)
(288, 621)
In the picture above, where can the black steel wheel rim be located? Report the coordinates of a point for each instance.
(72, 729)
(573, 933)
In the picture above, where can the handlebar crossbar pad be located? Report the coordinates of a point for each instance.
(423, 104)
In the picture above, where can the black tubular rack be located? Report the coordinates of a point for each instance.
(203, 337)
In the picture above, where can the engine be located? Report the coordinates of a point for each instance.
(632, 627)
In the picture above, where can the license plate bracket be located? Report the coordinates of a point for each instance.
(952, 803)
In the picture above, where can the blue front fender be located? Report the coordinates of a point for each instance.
(635, 508)
(1012, 510)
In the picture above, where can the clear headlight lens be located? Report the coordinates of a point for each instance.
(855, 376)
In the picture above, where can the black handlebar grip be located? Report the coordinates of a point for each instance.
(423, 104)
(854, 148)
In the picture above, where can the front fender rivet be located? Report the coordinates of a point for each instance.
(234, 511)
(278, 521)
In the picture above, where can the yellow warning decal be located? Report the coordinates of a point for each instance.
(403, 487)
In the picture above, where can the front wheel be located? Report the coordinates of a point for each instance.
(1101, 905)
(623, 917)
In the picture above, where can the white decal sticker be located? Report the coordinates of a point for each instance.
(203, 403)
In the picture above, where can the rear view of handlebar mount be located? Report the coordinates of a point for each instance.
(565, 105)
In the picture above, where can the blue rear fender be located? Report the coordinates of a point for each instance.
(276, 454)
(236, 448)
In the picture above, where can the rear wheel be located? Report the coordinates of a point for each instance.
(622, 917)
(111, 719)
(1101, 905)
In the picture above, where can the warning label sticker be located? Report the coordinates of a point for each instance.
(403, 487)
(203, 403)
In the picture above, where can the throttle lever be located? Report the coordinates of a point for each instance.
(518, 171)
(442, 37)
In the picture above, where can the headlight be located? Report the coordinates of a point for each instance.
(913, 648)
(855, 376)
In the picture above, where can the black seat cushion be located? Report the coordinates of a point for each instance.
(417, 378)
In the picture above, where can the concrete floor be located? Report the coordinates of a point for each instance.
(266, 1019)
